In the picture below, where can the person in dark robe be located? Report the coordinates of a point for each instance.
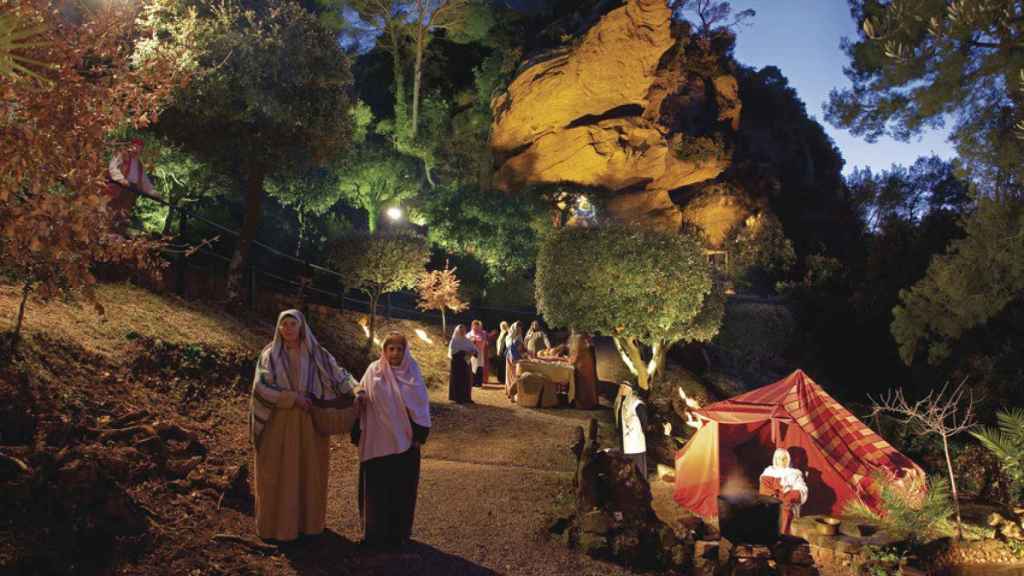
(581, 356)
(499, 348)
(394, 421)
(460, 378)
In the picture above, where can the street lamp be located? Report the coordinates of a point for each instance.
(394, 213)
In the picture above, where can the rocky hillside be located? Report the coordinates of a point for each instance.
(672, 127)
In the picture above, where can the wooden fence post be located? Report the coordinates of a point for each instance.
(252, 287)
(182, 257)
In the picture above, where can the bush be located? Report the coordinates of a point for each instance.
(701, 149)
(914, 511)
(1006, 442)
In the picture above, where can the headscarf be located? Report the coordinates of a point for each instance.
(459, 343)
(319, 374)
(515, 332)
(501, 337)
(394, 394)
(478, 335)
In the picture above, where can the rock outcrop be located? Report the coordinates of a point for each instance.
(619, 111)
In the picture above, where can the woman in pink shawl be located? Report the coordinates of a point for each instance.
(481, 370)
(394, 420)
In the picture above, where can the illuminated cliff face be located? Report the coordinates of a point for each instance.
(618, 111)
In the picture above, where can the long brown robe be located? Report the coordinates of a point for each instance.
(292, 458)
(291, 476)
(581, 355)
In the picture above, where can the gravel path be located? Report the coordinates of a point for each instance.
(492, 479)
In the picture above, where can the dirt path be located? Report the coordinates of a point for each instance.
(492, 476)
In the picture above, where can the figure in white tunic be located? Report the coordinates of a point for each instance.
(787, 484)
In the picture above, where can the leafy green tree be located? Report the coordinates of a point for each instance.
(917, 63)
(309, 195)
(503, 235)
(976, 279)
(380, 263)
(271, 98)
(645, 288)
(374, 177)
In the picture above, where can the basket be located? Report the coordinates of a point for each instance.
(333, 421)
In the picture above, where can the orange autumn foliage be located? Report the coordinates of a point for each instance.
(55, 130)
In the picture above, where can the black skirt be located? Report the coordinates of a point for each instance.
(460, 379)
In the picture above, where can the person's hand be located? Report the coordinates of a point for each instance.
(303, 402)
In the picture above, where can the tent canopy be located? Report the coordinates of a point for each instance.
(838, 454)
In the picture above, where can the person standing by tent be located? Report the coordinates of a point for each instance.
(394, 421)
(634, 423)
(127, 179)
(787, 484)
(481, 372)
(460, 378)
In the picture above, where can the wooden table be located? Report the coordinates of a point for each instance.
(555, 370)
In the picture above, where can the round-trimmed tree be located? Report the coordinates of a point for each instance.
(645, 288)
(379, 263)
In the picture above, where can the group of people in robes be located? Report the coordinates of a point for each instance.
(514, 345)
(295, 377)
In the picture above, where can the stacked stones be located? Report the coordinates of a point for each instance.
(614, 518)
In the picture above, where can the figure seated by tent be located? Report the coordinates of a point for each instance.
(838, 454)
(785, 483)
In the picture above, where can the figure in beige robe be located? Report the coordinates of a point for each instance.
(291, 462)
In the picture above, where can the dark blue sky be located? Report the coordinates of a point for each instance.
(802, 37)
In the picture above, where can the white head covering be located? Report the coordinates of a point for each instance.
(394, 394)
(319, 374)
(460, 343)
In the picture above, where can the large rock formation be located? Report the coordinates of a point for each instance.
(619, 111)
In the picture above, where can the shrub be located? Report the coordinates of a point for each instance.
(914, 510)
(1006, 442)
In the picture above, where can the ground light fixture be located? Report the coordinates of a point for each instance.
(394, 213)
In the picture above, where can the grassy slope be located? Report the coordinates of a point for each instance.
(491, 470)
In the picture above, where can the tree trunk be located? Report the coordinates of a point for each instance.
(25, 291)
(631, 356)
(417, 77)
(374, 298)
(952, 485)
(302, 225)
(253, 211)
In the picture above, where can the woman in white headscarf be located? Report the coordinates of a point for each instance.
(460, 379)
(787, 484)
(291, 464)
(394, 420)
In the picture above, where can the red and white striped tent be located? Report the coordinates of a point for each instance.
(839, 454)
